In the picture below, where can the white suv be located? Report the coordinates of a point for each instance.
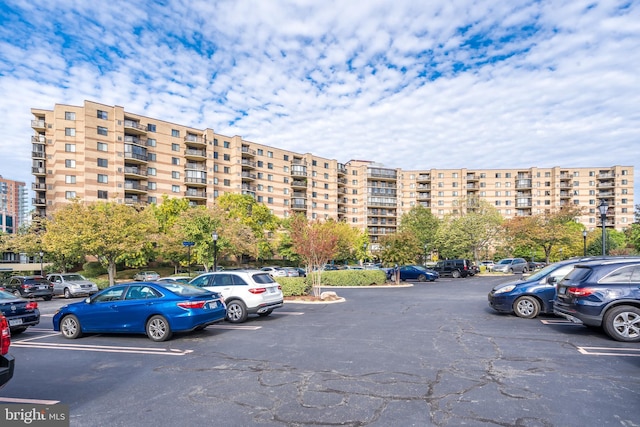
(244, 291)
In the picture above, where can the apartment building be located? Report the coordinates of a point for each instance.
(13, 205)
(100, 152)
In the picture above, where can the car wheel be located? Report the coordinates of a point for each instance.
(266, 313)
(17, 331)
(524, 270)
(70, 327)
(455, 274)
(17, 293)
(236, 311)
(623, 323)
(422, 278)
(158, 328)
(67, 293)
(511, 270)
(526, 307)
(47, 298)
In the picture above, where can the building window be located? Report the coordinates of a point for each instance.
(70, 148)
(175, 147)
(69, 115)
(69, 163)
(175, 175)
(102, 131)
(175, 161)
(151, 157)
(151, 142)
(70, 131)
(175, 188)
(102, 146)
(152, 186)
(226, 182)
(269, 165)
(103, 163)
(103, 178)
(152, 199)
(102, 115)
(260, 199)
(270, 154)
(260, 163)
(625, 172)
(498, 175)
(175, 133)
(286, 191)
(226, 157)
(151, 171)
(215, 154)
(70, 179)
(326, 186)
(314, 163)
(226, 144)
(151, 127)
(270, 200)
(286, 157)
(70, 195)
(103, 194)
(226, 169)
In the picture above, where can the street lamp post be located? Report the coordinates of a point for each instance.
(364, 246)
(584, 242)
(426, 246)
(214, 236)
(41, 264)
(603, 208)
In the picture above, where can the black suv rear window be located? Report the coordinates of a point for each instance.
(36, 281)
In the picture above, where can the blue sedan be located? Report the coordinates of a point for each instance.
(417, 272)
(151, 308)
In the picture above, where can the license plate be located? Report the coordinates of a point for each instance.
(15, 322)
(272, 290)
(212, 305)
(43, 287)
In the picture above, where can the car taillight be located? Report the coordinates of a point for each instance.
(31, 305)
(280, 287)
(25, 286)
(580, 292)
(5, 336)
(192, 304)
(258, 290)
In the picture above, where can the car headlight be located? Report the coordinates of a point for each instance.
(504, 289)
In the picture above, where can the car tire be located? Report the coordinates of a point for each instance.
(265, 314)
(17, 331)
(622, 323)
(526, 307)
(422, 278)
(511, 270)
(47, 298)
(524, 270)
(158, 328)
(67, 293)
(236, 311)
(17, 293)
(455, 274)
(70, 327)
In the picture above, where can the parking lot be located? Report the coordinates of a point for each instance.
(430, 354)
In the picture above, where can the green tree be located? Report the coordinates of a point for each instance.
(423, 224)
(400, 248)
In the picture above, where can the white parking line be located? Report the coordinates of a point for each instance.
(558, 322)
(239, 327)
(290, 313)
(33, 401)
(104, 348)
(609, 351)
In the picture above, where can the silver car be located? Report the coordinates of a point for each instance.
(71, 285)
(146, 276)
(511, 265)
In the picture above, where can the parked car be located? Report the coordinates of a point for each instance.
(511, 265)
(291, 272)
(533, 294)
(453, 267)
(301, 272)
(146, 276)
(473, 270)
(7, 361)
(244, 292)
(71, 285)
(488, 264)
(179, 279)
(603, 294)
(30, 287)
(155, 309)
(417, 272)
(19, 312)
(275, 271)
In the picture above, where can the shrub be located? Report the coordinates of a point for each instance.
(352, 277)
(294, 286)
(94, 269)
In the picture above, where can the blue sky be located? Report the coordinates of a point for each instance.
(448, 84)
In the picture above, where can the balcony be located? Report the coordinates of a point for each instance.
(130, 139)
(523, 183)
(424, 196)
(195, 166)
(136, 157)
(248, 164)
(135, 171)
(195, 181)
(38, 154)
(472, 177)
(342, 169)
(296, 183)
(299, 171)
(195, 194)
(299, 194)
(423, 178)
(247, 152)
(299, 205)
(192, 153)
(134, 187)
(132, 126)
(39, 201)
(248, 176)
(38, 124)
(38, 186)
(383, 174)
(38, 171)
(249, 190)
(135, 201)
(194, 140)
(38, 139)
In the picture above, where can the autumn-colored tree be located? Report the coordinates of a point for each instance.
(170, 239)
(316, 242)
(60, 242)
(547, 231)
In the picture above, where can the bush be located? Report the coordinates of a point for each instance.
(351, 277)
(294, 286)
(93, 269)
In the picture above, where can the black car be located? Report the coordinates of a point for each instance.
(20, 313)
(603, 293)
(7, 362)
(30, 287)
(454, 268)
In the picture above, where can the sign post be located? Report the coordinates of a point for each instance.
(188, 245)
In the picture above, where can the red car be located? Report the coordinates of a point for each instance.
(7, 362)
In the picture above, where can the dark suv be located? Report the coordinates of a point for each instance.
(454, 268)
(603, 293)
(30, 287)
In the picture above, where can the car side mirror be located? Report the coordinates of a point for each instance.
(552, 280)
(87, 300)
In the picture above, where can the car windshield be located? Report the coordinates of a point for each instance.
(5, 295)
(263, 278)
(505, 261)
(183, 289)
(541, 274)
(73, 277)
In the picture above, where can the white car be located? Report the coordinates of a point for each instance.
(275, 271)
(244, 291)
(71, 285)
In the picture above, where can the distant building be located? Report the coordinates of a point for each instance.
(100, 152)
(13, 205)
